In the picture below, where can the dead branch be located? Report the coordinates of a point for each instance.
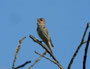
(20, 66)
(43, 46)
(16, 53)
(86, 49)
(37, 60)
(82, 42)
(46, 57)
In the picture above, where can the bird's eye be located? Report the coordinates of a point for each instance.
(41, 19)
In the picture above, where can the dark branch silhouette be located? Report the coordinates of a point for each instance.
(86, 49)
(82, 42)
(20, 66)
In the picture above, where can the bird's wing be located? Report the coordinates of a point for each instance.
(47, 36)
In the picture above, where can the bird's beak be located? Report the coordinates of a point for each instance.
(38, 20)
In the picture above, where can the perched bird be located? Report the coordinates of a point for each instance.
(43, 33)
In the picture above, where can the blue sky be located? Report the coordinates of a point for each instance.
(65, 19)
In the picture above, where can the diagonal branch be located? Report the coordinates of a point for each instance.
(46, 57)
(37, 60)
(16, 53)
(37, 41)
(82, 42)
(27, 62)
(86, 49)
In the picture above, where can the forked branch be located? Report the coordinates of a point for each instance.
(43, 46)
(16, 53)
(82, 42)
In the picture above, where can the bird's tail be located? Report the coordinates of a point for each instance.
(50, 47)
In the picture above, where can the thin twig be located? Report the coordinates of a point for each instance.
(16, 53)
(37, 41)
(46, 57)
(82, 42)
(37, 60)
(27, 62)
(86, 49)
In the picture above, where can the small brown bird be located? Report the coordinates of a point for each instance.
(43, 33)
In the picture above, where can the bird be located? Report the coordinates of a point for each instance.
(44, 34)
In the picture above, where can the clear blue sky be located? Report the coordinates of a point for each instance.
(65, 19)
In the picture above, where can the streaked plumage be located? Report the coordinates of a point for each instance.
(43, 33)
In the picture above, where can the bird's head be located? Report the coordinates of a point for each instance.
(41, 21)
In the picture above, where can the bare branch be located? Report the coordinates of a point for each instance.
(37, 41)
(82, 42)
(16, 53)
(86, 49)
(27, 62)
(37, 60)
(46, 57)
